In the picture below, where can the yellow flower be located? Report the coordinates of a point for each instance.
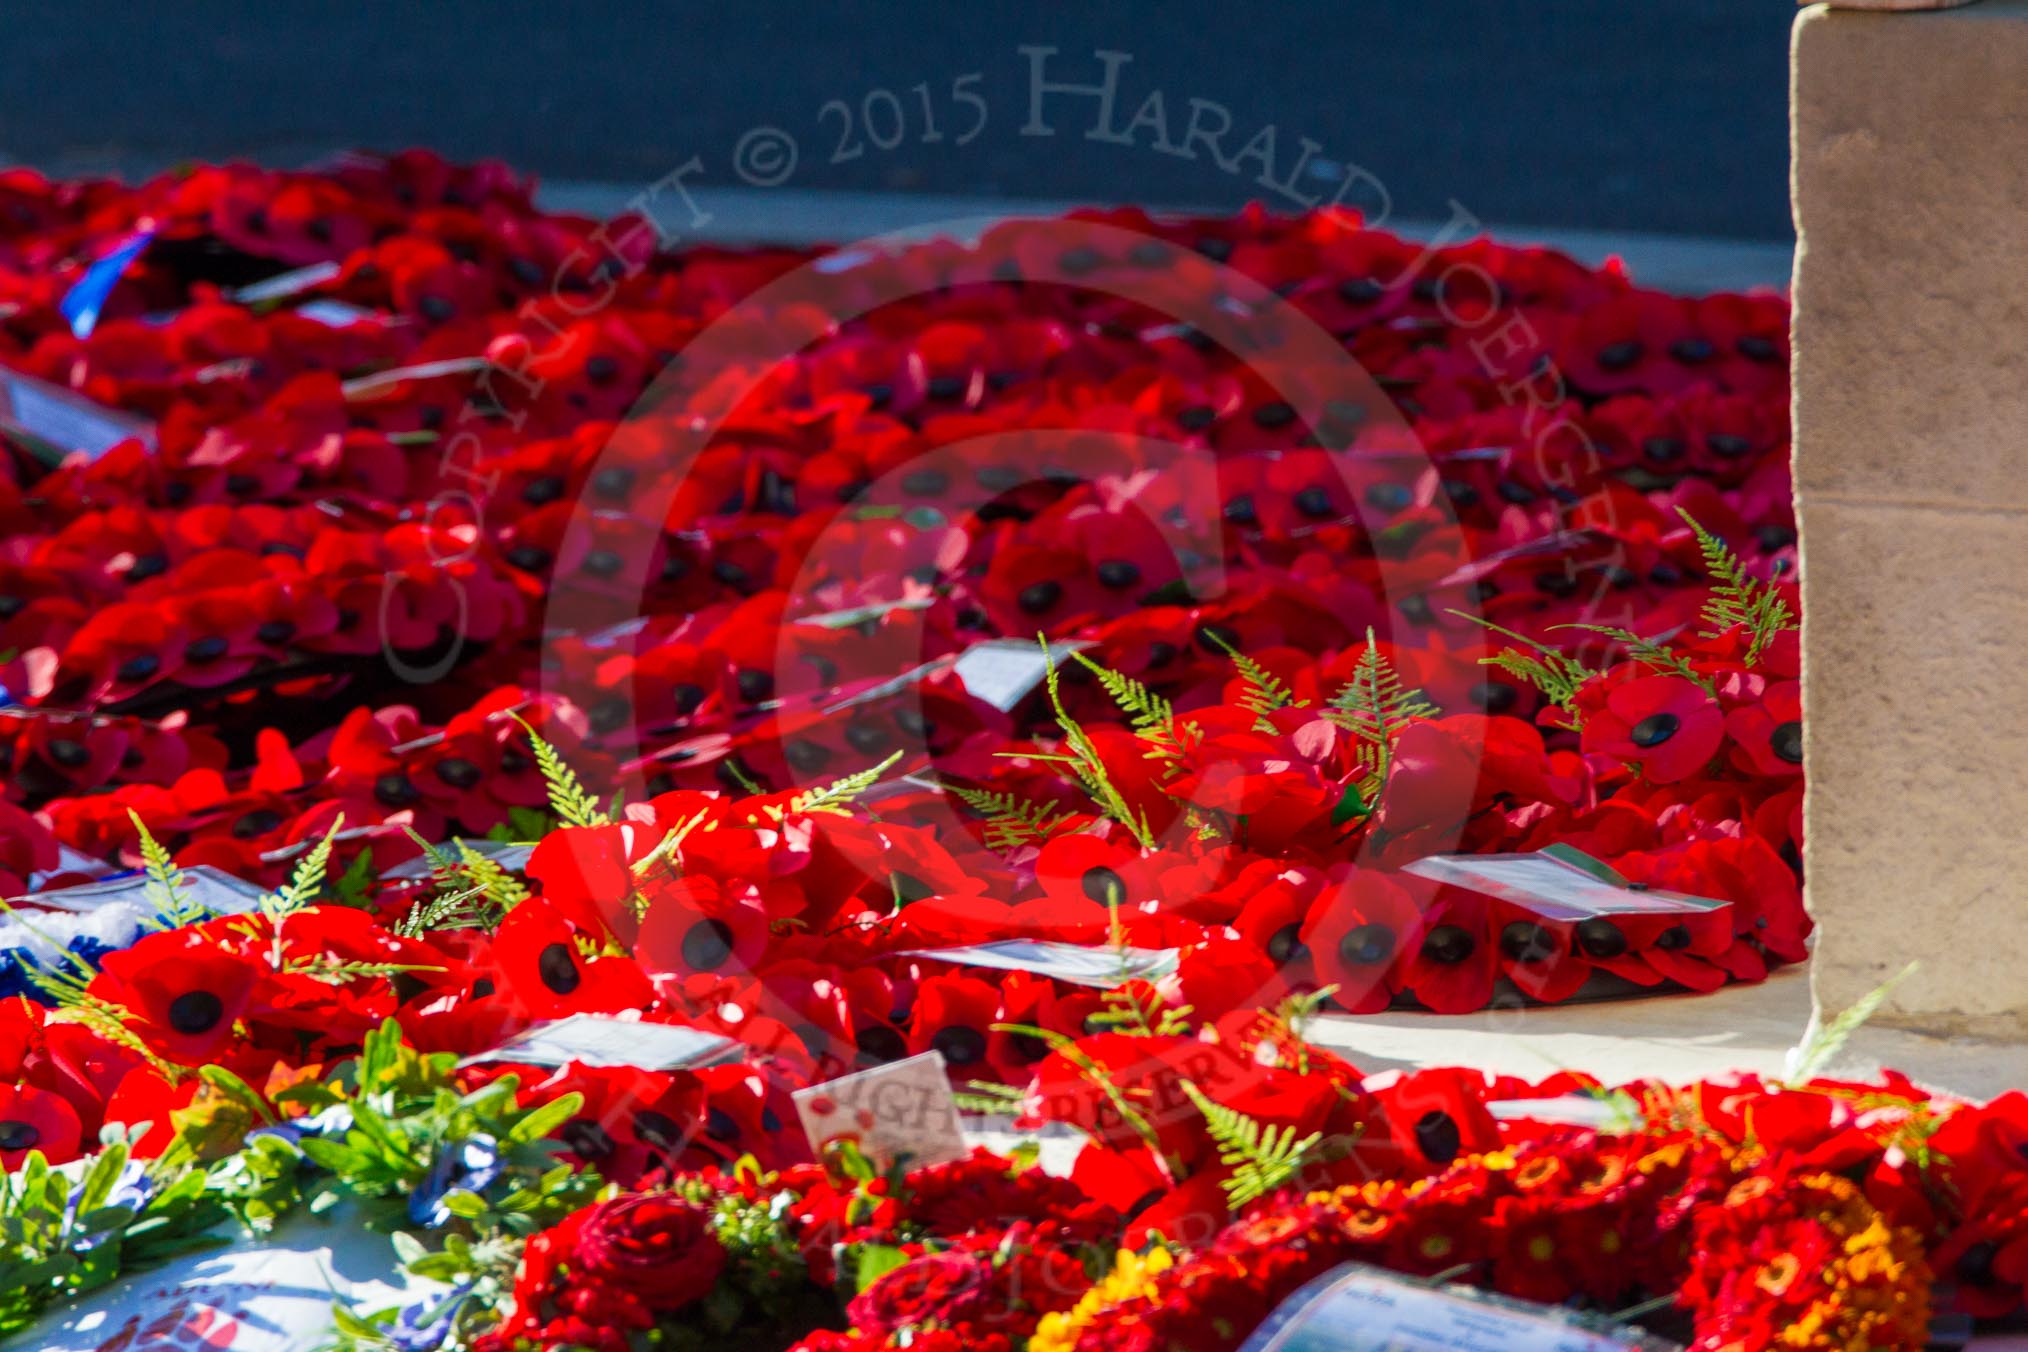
(1133, 1276)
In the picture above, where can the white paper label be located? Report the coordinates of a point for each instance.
(1004, 671)
(1555, 888)
(67, 421)
(1364, 1310)
(901, 1113)
(1104, 968)
(592, 1040)
(286, 284)
(210, 887)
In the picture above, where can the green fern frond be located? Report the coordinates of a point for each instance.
(568, 798)
(1148, 714)
(166, 886)
(1265, 692)
(1262, 1159)
(1557, 675)
(473, 892)
(988, 1099)
(444, 866)
(499, 886)
(1084, 761)
(109, 1021)
(305, 882)
(1374, 707)
(1737, 597)
(1011, 821)
(1650, 654)
(840, 794)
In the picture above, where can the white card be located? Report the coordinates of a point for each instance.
(593, 1040)
(71, 861)
(210, 887)
(367, 386)
(1362, 1309)
(900, 1113)
(337, 314)
(286, 284)
(1005, 671)
(64, 421)
(857, 615)
(1559, 883)
(1079, 964)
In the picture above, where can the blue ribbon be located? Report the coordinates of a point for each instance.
(82, 303)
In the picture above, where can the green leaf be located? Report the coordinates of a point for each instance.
(539, 1122)
(1086, 765)
(355, 885)
(1559, 677)
(874, 1262)
(1262, 1159)
(1148, 714)
(465, 1204)
(839, 795)
(100, 1178)
(1265, 692)
(231, 1085)
(1650, 654)
(1011, 820)
(166, 884)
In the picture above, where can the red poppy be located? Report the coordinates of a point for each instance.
(1665, 724)
(1767, 736)
(693, 926)
(1360, 933)
(546, 971)
(184, 990)
(36, 1120)
(954, 1015)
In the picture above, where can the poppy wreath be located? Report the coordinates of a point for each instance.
(1731, 1213)
(405, 421)
(133, 569)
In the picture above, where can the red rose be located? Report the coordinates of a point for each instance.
(941, 1288)
(653, 1246)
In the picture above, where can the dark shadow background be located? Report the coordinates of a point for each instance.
(1663, 116)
